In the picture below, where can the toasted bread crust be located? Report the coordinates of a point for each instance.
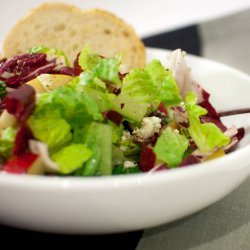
(68, 28)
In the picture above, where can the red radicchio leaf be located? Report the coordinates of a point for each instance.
(20, 102)
(17, 63)
(76, 65)
(191, 159)
(205, 95)
(20, 164)
(216, 121)
(162, 109)
(212, 115)
(69, 71)
(76, 70)
(76, 61)
(210, 109)
(114, 117)
(24, 67)
(240, 134)
(21, 140)
(147, 158)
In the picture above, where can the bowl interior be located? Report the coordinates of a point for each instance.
(95, 204)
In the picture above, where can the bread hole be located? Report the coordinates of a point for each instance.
(134, 49)
(37, 26)
(59, 27)
(125, 33)
(72, 33)
(107, 31)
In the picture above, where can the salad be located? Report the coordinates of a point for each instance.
(92, 119)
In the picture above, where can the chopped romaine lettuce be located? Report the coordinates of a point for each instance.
(170, 147)
(207, 136)
(165, 82)
(75, 108)
(98, 138)
(51, 129)
(143, 88)
(95, 88)
(116, 131)
(170, 94)
(71, 157)
(105, 69)
(88, 60)
(7, 139)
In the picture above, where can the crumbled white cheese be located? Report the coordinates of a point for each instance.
(124, 148)
(149, 126)
(125, 135)
(129, 164)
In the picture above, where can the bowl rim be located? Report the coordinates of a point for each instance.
(219, 165)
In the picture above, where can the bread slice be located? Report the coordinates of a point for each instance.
(69, 29)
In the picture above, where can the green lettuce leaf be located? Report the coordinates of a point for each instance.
(169, 93)
(71, 157)
(116, 131)
(51, 129)
(105, 69)
(98, 138)
(53, 52)
(95, 89)
(75, 108)
(88, 60)
(207, 136)
(137, 93)
(143, 88)
(7, 140)
(170, 147)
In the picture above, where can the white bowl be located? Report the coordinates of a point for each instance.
(125, 203)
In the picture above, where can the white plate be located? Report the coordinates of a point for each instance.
(126, 203)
